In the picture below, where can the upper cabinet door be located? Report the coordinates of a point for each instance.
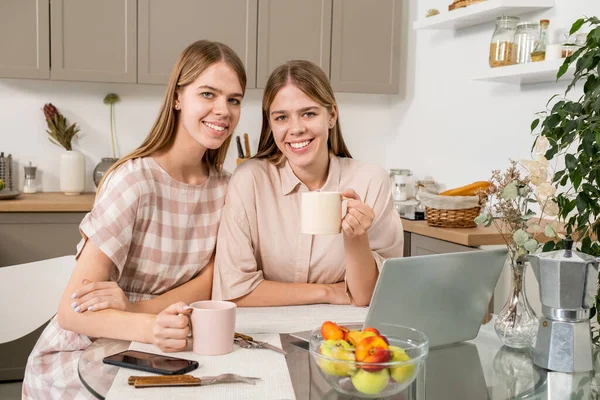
(292, 29)
(24, 39)
(93, 40)
(168, 27)
(365, 46)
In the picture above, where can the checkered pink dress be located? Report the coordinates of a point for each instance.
(158, 232)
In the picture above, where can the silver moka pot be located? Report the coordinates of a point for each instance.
(567, 281)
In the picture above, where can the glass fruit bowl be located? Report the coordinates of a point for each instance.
(387, 364)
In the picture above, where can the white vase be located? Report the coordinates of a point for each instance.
(72, 173)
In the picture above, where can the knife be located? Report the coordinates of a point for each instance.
(239, 147)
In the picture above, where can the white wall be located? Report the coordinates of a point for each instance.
(365, 120)
(456, 130)
(450, 127)
(442, 125)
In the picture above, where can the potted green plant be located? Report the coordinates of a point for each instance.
(110, 99)
(572, 130)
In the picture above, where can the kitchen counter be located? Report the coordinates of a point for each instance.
(59, 202)
(48, 202)
(471, 237)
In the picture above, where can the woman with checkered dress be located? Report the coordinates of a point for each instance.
(150, 238)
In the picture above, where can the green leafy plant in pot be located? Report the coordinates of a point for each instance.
(572, 129)
(110, 99)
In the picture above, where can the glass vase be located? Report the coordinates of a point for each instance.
(516, 325)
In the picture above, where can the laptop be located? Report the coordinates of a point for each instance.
(446, 296)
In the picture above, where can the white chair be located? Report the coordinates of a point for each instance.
(30, 294)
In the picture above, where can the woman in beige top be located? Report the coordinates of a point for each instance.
(262, 259)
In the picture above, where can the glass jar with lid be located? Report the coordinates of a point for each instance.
(502, 46)
(526, 38)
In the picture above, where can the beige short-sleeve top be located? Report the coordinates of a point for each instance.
(260, 238)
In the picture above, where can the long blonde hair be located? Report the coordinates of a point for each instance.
(313, 82)
(192, 62)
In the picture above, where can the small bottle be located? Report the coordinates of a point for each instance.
(29, 185)
(539, 53)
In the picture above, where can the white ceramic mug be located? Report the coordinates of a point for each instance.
(321, 213)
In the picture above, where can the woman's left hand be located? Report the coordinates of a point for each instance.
(359, 216)
(95, 296)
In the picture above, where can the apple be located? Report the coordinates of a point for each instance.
(369, 329)
(356, 336)
(404, 372)
(340, 350)
(331, 331)
(370, 382)
(372, 349)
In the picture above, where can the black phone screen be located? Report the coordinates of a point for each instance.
(151, 362)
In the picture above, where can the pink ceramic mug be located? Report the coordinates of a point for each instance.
(213, 327)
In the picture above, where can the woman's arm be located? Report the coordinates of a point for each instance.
(271, 293)
(102, 295)
(193, 290)
(361, 268)
(94, 265)
(168, 330)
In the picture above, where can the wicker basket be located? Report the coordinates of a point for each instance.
(452, 218)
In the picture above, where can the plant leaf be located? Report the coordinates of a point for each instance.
(534, 124)
(520, 237)
(510, 191)
(549, 231)
(576, 26)
(531, 245)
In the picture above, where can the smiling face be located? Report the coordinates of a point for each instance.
(210, 106)
(301, 127)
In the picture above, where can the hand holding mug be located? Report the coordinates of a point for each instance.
(322, 214)
(171, 328)
(359, 216)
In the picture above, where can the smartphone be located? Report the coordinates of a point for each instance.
(149, 362)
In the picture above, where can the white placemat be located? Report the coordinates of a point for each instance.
(266, 364)
(289, 319)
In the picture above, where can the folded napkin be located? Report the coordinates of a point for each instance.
(289, 319)
(266, 364)
(448, 202)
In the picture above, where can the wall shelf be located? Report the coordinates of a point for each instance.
(524, 74)
(481, 13)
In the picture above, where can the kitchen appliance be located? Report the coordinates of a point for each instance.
(567, 281)
(6, 172)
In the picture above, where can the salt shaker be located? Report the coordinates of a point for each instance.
(29, 185)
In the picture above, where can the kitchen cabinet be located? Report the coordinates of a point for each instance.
(28, 237)
(356, 42)
(93, 40)
(423, 246)
(365, 46)
(292, 30)
(24, 39)
(165, 28)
